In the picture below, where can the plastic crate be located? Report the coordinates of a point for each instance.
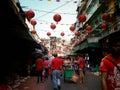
(68, 73)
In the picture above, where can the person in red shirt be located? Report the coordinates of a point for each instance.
(81, 65)
(39, 68)
(46, 66)
(56, 67)
(109, 73)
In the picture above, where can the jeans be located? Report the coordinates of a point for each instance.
(39, 76)
(56, 78)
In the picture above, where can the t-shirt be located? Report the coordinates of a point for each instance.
(113, 78)
(81, 63)
(56, 63)
(46, 63)
(39, 64)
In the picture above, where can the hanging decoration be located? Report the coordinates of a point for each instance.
(82, 18)
(33, 22)
(104, 26)
(33, 32)
(72, 28)
(57, 18)
(77, 33)
(30, 14)
(63, 40)
(53, 26)
(48, 33)
(88, 28)
(106, 16)
(62, 34)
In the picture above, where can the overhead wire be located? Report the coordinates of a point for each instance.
(55, 9)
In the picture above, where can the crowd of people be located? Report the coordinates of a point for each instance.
(53, 67)
(109, 67)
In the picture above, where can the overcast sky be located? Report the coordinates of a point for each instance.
(44, 12)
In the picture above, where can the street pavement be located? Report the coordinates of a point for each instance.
(92, 82)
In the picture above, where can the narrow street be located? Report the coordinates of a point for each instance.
(92, 82)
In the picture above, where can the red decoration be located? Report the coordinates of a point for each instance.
(88, 28)
(62, 33)
(33, 22)
(63, 40)
(30, 14)
(104, 26)
(48, 33)
(57, 17)
(53, 26)
(33, 32)
(105, 16)
(82, 18)
(89, 32)
(77, 33)
(72, 28)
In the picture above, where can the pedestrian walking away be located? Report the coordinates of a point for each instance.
(56, 67)
(39, 67)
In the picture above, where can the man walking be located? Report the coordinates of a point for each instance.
(56, 67)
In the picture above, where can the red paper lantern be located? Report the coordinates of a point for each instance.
(30, 14)
(33, 22)
(105, 16)
(63, 40)
(89, 32)
(88, 28)
(53, 26)
(77, 33)
(62, 33)
(33, 32)
(104, 26)
(48, 33)
(82, 18)
(57, 17)
(72, 28)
